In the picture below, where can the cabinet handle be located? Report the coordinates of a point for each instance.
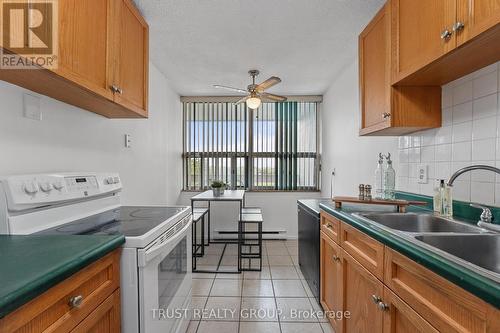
(382, 306)
(75, 301)
(114, 89)
(386, 115)
(376, 299)
(446, 34)
(336, 258)
(458, 26)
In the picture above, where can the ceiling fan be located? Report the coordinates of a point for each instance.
(256, 92)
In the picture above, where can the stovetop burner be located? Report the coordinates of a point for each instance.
(130, 221)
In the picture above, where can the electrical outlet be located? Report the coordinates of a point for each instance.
(128, 141)
(423, 173)
(31, 104)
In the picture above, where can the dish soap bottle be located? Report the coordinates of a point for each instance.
(389, 180)
(447, 201)
(438, 196)
(378, 184)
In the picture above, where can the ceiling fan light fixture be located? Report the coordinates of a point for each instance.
(254, 102)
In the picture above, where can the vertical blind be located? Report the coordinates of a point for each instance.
(274, 147)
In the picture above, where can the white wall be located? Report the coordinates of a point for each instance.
(71, 139)
(353, 157)
(469, 135)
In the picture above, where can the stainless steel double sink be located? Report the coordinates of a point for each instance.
(461, 242)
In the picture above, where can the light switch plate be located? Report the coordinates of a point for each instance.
(128, 141)
(31, 104)
(423, 173)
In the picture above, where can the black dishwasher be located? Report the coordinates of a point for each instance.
(309, 242)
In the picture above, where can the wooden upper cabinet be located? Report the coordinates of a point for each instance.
(419, 33)
(475, 17)
(84, 44)
(331, 278)
(387, 109)
(360, 288)
(374, 71)
(102, 59)
(131, 67)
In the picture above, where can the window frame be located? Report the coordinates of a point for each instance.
(249, 155)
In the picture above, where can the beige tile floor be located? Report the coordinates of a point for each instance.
(255, 302)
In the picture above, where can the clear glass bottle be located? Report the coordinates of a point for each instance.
(378, 184)
(389, 181)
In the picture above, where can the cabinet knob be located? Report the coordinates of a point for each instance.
(329, 226)
(114, 88)
(382, 306)
(75, 301)
(120, 91)
(336, 258)
(446, 34)
(458, 26)
(386, 115)
(376, 299)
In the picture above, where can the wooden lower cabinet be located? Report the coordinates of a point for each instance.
(87, 301)
(104, 319)
(404, 297)
(399, 317)
(359, 288)
(331, 271)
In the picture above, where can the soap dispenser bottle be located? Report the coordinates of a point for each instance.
(447, 199)
(438, 195)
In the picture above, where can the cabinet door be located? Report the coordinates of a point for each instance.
(416, 33)
(476, 16)
(360, 287)
(131, 69)
(84, 44)
(400, 318)
(331, 278)
(104, 319)
(374, 71)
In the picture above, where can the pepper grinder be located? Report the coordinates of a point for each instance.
(368, 192)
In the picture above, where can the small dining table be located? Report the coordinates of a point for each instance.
(228, 196)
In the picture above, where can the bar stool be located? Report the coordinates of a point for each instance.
(245, 244)
(198, 216)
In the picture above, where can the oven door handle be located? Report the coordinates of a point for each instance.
(156, 250)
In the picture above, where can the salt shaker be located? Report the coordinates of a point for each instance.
(361, 192)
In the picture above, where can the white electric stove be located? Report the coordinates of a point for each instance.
(156, 256)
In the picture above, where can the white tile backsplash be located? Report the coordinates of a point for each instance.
(470, 135)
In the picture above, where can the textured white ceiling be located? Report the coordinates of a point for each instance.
(198, 43)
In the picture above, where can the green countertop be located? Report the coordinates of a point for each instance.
(479, 285)
(30, 264)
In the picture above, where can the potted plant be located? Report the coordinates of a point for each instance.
(218, 187)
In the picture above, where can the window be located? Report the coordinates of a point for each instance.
(274, 147)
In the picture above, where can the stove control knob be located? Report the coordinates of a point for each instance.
(58, 185)
(116, 180)
(30, 188)
(109, 181)
(46, 187)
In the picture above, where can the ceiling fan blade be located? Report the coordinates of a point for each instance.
(231, 88)
(243, 100)
(273, 80)
(272, 97)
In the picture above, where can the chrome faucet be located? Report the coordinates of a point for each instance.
(486, 216)
(471, 168)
